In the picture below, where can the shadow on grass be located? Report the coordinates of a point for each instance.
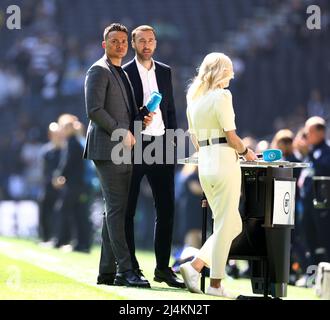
(161, 289)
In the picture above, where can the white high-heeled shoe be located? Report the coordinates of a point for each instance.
(221, 292)
(191, 277)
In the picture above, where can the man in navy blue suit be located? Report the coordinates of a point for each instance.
(146, 76)
(316, 221)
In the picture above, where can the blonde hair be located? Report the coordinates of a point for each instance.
(214, 72)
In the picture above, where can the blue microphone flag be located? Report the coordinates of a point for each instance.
(272, 155)
(154, 101)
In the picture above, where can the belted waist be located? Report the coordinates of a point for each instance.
(204, 143)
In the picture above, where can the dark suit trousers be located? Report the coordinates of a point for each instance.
(73, 218)
(47, 218)
(161, 180)
(115, 181)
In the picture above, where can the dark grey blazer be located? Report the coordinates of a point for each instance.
(107, 107)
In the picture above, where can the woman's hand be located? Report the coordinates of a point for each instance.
(250, 156)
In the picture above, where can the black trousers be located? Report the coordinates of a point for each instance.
(46, 216)
(115, 183)
(73, 218)
(315, 224)
(161, 180)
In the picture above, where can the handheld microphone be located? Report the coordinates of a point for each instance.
(270, 155)
(152, 103)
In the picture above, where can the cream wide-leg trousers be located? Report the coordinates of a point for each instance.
(220, 177)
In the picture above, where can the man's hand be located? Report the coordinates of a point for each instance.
(147, 119)
(58, 182)
(129, 140)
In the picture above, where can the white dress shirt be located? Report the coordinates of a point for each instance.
(149, 84)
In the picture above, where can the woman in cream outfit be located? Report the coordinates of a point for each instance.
(211, 116)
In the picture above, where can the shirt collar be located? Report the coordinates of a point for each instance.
(142, 67)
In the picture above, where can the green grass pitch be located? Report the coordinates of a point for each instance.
(31, 272)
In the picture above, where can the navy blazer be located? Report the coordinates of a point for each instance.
(164, 83)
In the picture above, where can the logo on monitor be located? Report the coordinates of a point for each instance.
(286, 203)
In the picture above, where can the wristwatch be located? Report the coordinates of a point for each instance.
(244, 152)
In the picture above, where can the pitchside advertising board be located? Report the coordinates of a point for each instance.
(284, 202)
(19, 218)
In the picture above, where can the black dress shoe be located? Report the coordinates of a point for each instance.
(130, 279)
(106, 278)
(169, 277)
(140, 274)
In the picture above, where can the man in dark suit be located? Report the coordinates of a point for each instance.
(146, 76)
(111, 108)
(68, 180)
(316, 222)
(51, 153)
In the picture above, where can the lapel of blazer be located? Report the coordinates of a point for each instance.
(133, 95)
(161, 84)
(137, 84)
(120, 82)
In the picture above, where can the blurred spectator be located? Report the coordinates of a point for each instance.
(51, 152)
(91, 52)
(239, 66)
(262, 146)
(165, 29)
(283, 140)
(74, 73)
(11, 85)
(72, 214)
(300, 146)
(188, 196)
(316, 223)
